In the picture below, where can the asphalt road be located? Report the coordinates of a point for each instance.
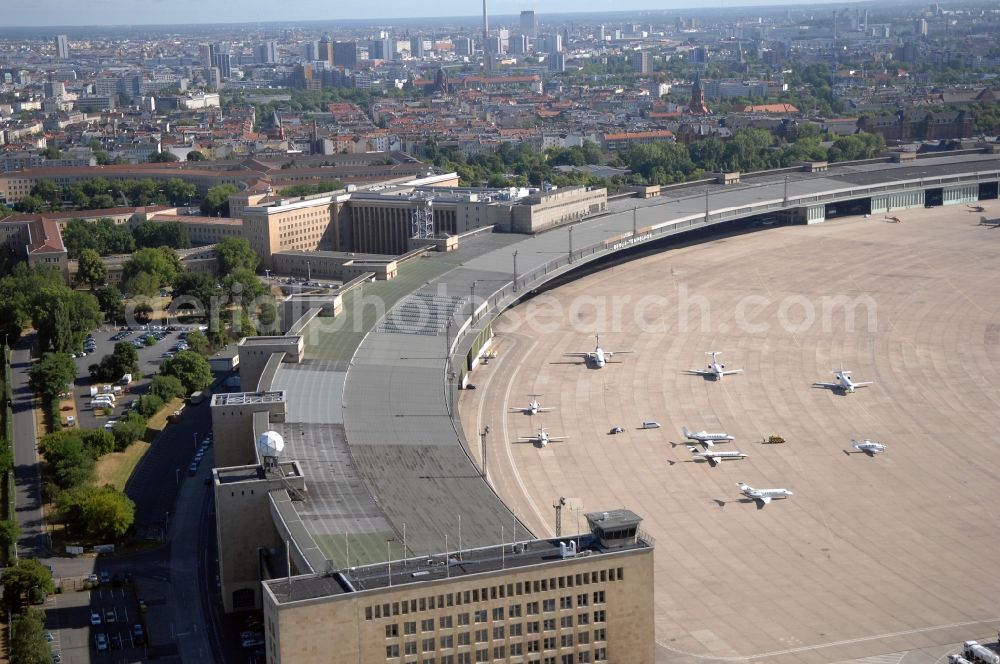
(33, 542)
(156, 481)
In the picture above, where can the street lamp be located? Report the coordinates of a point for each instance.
(570, 259)
(515, 270)
(482, 447)
(786, 191)
(706, 203)
(308, 271)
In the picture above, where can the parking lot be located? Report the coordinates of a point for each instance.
(102, 624)
(150, 358)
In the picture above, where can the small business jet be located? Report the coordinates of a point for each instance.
(867, 446)
(715, 369)
(533, 407)
(763, 496)
(844, 382)
(713, 457)
(598, 357)
(542, 438)
(705, 438)
(992, 223)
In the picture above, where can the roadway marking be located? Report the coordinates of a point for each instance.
(506, 443)
(831, 644)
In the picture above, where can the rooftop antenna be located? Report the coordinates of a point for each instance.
(447, 558)
(502, 549)
(288, 565)
(460, 536)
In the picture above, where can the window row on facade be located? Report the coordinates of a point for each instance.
(502, 591)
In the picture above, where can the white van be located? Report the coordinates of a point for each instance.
(650, 424)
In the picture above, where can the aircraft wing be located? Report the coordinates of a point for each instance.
(518, 410)
(831, 386)
(545, 410)
(732, 371)
(865, 383)
(611, 353)
(712, 461)
(701, 372)
(583, 355)
(765, 499)
(557, 440)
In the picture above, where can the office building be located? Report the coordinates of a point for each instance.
(345, 54)
(266, 53)
(580, 599)
(463, 46)
(62, 47)
(325, 50)
(518, 45)
(529, 24)
(224, 65)
(381, 49)
(642, 62)
(417, 46)
(553, 43)
(920, 28)
(557, 62)
(206, 53)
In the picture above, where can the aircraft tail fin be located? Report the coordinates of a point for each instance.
(686, 431)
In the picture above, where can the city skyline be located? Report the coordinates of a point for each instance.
(159, 12)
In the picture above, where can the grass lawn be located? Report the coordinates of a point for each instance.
(117, 467)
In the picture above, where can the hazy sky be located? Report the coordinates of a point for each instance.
(137, 12)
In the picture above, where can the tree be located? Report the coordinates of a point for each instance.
(191, 369)
(244, 286)
(72, 463)
(216, 201)
(178, 191)
(162, 234)
(162, 157)
(130, 428)
(62, 316)
(162, 264)
(27, 639)
(234, 253)
(10, 530)
(50, 376)
(149, 404)
(198, 342)
(23, 577)
(92, 269)
(195, 155)
(98, 441)
(109, 299)
(106, 512)
(166, 387)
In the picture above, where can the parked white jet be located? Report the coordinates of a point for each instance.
(714, 457)
(706, 438)
(844, 382)
(763, 496)
(598, 357)
(533, 407)
(714, 368)
(869, 447)
(542, 438)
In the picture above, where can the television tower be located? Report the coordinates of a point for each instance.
(487, 55)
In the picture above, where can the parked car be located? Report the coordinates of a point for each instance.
(615, 430)
(95, 618)
(105, 577)
(101, 641)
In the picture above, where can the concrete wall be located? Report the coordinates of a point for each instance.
(256, 351)
(233, 426)
(243, 527)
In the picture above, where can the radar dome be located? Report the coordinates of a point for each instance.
(270, 444)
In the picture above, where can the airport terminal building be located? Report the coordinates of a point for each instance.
(376, 534)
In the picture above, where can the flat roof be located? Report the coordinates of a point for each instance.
(442, 566)
(401, 439)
